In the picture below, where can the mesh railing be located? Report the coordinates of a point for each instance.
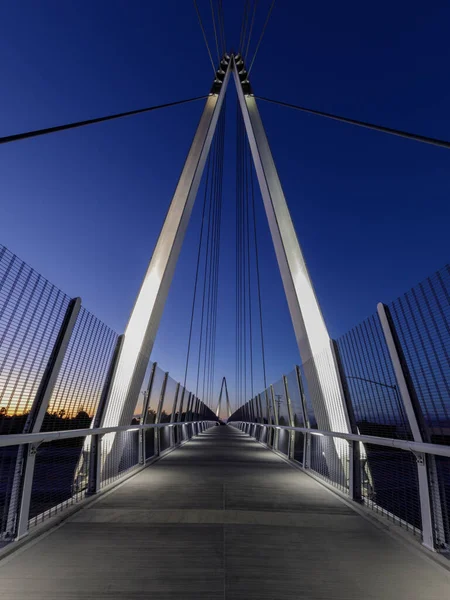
(32, 311)
(390, 485)
(389, 481)
(329, 458)
(371, 383)
(422, 321)
(82, 375)
(34, 319)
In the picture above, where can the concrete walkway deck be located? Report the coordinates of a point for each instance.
(220, 518)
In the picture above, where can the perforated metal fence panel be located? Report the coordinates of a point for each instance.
(422, 321)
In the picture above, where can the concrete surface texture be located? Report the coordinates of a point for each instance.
(221, 518)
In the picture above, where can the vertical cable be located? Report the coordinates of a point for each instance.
(258, 280)
(215, 30)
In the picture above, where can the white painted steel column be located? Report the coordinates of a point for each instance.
(143, 324)
(309, 326)
(422, 470)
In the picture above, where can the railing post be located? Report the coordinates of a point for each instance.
(142, 432)
(291, 419)
(172, 439)
(306, 438)
(95, 465)
(354, 471)
(26, 458)
(413, 413)
(95, 451)
(158, 414)
(276, 435)
(307, 451)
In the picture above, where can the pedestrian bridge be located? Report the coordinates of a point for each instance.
(332, 483)
(220, 517)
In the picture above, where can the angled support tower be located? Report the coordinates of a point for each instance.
(316, 349)
(317, 353)
(227, 399)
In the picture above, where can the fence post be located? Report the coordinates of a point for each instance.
(26, 459)
(291, 419)
(95, 450)
(275, 416)
(158, 413)
(142, 432)
(413, 413)
(307, 451)
(307, 437)
(172, 438)
(354, 452)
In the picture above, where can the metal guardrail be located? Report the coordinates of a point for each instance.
(346, 467)
(34, 438)
(74, 464)
(414, 447)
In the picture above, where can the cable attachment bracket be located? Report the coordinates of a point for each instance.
(243, 74)
(220, 74)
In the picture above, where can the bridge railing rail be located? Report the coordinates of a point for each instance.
(341, 460)
(81, 460)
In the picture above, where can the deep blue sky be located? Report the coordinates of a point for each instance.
(85, 207)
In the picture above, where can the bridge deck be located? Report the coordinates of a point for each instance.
(221, 518)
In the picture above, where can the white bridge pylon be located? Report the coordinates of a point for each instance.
(316, 350)
(227, 399)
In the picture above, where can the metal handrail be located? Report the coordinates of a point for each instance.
(436, 449)
(17, 439)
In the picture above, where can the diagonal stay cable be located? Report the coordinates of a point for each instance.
(243, 25)
(251, 29)
(222, 25)
(38, 132)
(258, 279)
(215, 30)
(197, 269)
(261, 36)
(249, 291)
(398, 132)
(204, 36)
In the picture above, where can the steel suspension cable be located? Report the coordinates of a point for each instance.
(398, 132)
(222, 26)
(204, 36)
(249, 264)
(255, 4)
(206, 356)
(237, 263)
(215, 278)
(261, 36)
(38, 132)
(243, 24)
(215, 30)
(239, 320)
(219, 221)
(258, 280)
(197, 269)
(210, 275)
(244, 265)
(204, 282)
